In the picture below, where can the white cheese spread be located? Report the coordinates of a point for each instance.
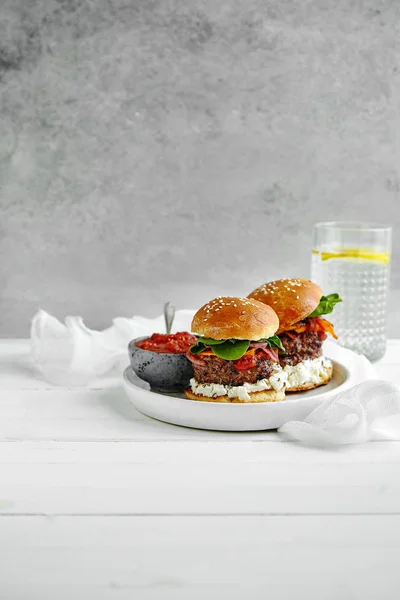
(307, 371)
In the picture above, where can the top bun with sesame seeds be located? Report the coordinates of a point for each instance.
(292, 299)
(227, 317)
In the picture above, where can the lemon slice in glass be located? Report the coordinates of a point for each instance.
(354, 255)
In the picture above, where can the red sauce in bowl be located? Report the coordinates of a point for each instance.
(174, 343)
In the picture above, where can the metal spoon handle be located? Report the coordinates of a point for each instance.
(169, 314)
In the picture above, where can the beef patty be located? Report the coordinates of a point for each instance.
(306, 345)
(218, 370)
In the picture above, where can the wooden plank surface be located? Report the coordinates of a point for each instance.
(180, 558)
(88, 451)
(98, 501)
(198, 478)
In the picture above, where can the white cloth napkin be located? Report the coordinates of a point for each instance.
(368, 411)
(71, 354)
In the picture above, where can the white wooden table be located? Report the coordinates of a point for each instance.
(98, 501)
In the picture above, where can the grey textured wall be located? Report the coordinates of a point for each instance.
(154, 150)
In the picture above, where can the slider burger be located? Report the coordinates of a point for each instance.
(299, 304)
(235, 358)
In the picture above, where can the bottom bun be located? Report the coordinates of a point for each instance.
(263, 396)
(310, 385)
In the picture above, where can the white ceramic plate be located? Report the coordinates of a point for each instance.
(176, 409)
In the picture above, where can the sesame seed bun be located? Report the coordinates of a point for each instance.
(292, 299)
(263, 396)
(227, 317)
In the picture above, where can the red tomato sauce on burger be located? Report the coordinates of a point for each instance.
(174, 343)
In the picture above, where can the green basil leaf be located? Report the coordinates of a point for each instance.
(197, 348)
(231, 349)
(326, 305)
(275, 342)
(210, 341)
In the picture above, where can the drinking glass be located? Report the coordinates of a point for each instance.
(353, 259)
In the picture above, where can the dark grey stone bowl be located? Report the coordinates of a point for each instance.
(164, 372)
